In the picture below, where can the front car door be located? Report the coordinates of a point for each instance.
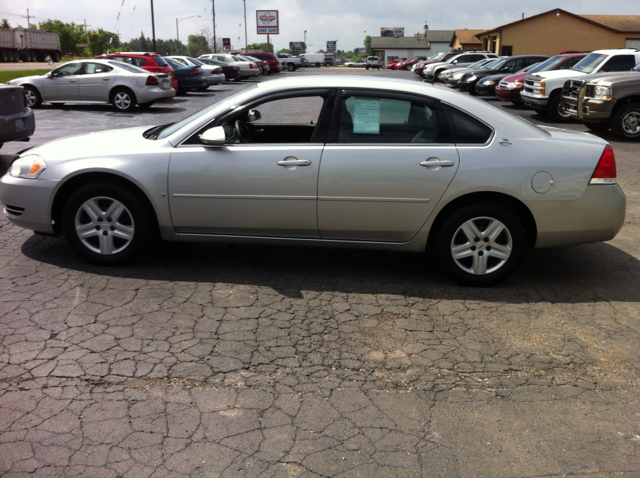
(263, 182)
(62, 84)
(385, 167)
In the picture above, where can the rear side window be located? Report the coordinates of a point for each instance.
(160, 61)
(620, 63)
(466, 129)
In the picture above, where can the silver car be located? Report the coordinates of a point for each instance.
(248, 69)
(363, 162)
(97, 81)
(213, 74)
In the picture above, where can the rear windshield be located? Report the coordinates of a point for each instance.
(160, 61)
(193, 60)
(128, 67)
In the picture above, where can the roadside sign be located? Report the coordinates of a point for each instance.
(226, 43)
(267, 22)
(331, 45)
(82, 45)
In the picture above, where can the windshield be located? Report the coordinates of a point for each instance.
(498, 64)
(590, 62)
(477, 64)
(547, 65)
(233, 100)
(490, 65)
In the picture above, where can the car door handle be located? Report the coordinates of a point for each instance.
(106, 79)
(445, 163)
(291, 161)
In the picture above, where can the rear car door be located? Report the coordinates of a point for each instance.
(388, 161)
(96, 83)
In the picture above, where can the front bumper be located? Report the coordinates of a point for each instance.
(592, 111)
(534, 101)
(27, 202)
(485, 90)
(512, 95)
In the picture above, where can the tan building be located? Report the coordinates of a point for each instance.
(466, 40)
(557, 30)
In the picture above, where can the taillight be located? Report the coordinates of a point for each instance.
(152, 80)
(605, 172)
(235, 68)
(251, 66)
(194, 73)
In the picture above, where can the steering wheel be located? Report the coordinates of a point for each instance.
(243, 132)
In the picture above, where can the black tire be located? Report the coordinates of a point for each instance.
(317, 64)
(554, 109)
(34, 100)
(291, 67)
(625, 122)
(146, 106)
(107, 240)
(487, 260)
(123, 99)
(367, 67)
(599, 127)
(350, 66)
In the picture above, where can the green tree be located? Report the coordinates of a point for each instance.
(70, 34)
(261, 46)
(367, 45)
(197, 45)
(4, 23)
(98, 41)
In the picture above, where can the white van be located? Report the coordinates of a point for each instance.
(314, 59)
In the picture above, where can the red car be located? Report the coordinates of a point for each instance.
(272, 61)
(391, 65)
(509, 87)
(151, 62)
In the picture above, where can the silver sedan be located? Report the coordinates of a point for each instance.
(97, 81)
(366, 162)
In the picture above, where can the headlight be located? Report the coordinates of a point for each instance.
(514, 84)
(428, 67)
(602, 93)
(539, 84)
(28, 167)
(489, 82)
(471, 78)
(457, 76)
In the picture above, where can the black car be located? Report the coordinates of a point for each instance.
(231, 73)
(507, 65)
(487, 85)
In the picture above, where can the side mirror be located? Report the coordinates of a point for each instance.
(455, 62)
(253, 115)
(214, 137)
(49, 75)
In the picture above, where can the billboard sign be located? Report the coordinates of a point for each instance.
(392, 32)
(298, 45)
(331, 45)
(226, 43)
(267, 22)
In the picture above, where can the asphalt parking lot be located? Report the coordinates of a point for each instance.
(204, 360)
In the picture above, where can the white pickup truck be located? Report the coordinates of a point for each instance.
(543, 91)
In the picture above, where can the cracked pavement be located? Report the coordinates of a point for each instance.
(204, 360)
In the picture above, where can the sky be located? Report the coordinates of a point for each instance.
(347, 21)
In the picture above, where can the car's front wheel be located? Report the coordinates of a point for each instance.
(555, 111)
(123, 99)
(625, 122)
(480, 244)
(106, 224)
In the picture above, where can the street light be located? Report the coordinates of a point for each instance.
(180, 20)
(246, 45)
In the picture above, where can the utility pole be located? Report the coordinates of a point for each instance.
(153, 27)
(213, 9)
(246, 43)
(28, 17)
(86, 32)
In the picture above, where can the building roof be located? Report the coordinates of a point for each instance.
(616, 23)
(466, 36)
(433, 36)
(621, 23)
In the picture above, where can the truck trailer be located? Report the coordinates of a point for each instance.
(28, 45)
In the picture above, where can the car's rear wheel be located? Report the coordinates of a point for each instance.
(625, 122)
(106, 224)
(34, 100)
(480, 244)
(291, 67)
(123, 99)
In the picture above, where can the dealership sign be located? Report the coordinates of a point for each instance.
(267, 22)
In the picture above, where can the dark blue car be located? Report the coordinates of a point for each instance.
(189, 77)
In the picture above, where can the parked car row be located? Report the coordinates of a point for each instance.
(600, 88)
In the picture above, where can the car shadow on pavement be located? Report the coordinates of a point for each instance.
(577, 274)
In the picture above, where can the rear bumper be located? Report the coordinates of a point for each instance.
(17, 126)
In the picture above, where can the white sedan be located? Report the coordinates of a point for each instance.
(97, 81)
(368, 162)
(248, 69)
(213, 74)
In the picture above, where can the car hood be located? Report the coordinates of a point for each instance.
(556, 74)
(104, 143)
(609, 77)
(25, 79)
